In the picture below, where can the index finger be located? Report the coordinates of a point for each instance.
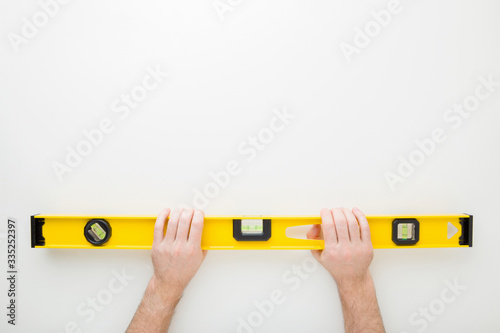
(160, 225)
(196, 227)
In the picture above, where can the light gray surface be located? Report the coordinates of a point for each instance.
(352, 122)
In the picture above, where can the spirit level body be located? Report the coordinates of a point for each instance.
(136, 232)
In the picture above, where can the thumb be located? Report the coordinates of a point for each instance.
(314, 232)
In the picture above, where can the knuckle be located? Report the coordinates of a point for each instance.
(361, 252)
(191, 251)
(176, 250)
(344, 252)
(347, 255)
(366, 251)
(331, 253)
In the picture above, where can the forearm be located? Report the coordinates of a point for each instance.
(360, 307)
(156, 309)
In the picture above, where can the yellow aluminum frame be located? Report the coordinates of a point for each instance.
(136, 232)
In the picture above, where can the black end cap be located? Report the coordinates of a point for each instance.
(466, 237)
(37, 238)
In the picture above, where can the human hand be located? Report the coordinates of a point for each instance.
(347, 255)
(348, 248)
(177, 254)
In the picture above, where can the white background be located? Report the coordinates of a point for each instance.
(352, 122)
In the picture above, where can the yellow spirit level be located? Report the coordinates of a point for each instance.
(243, 232)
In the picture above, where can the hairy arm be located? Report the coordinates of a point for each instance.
(176, 255)
(347, 256)
(360, 307)
(155, 310)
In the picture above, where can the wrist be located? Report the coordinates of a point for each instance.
(355, 285)
(165, 293)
